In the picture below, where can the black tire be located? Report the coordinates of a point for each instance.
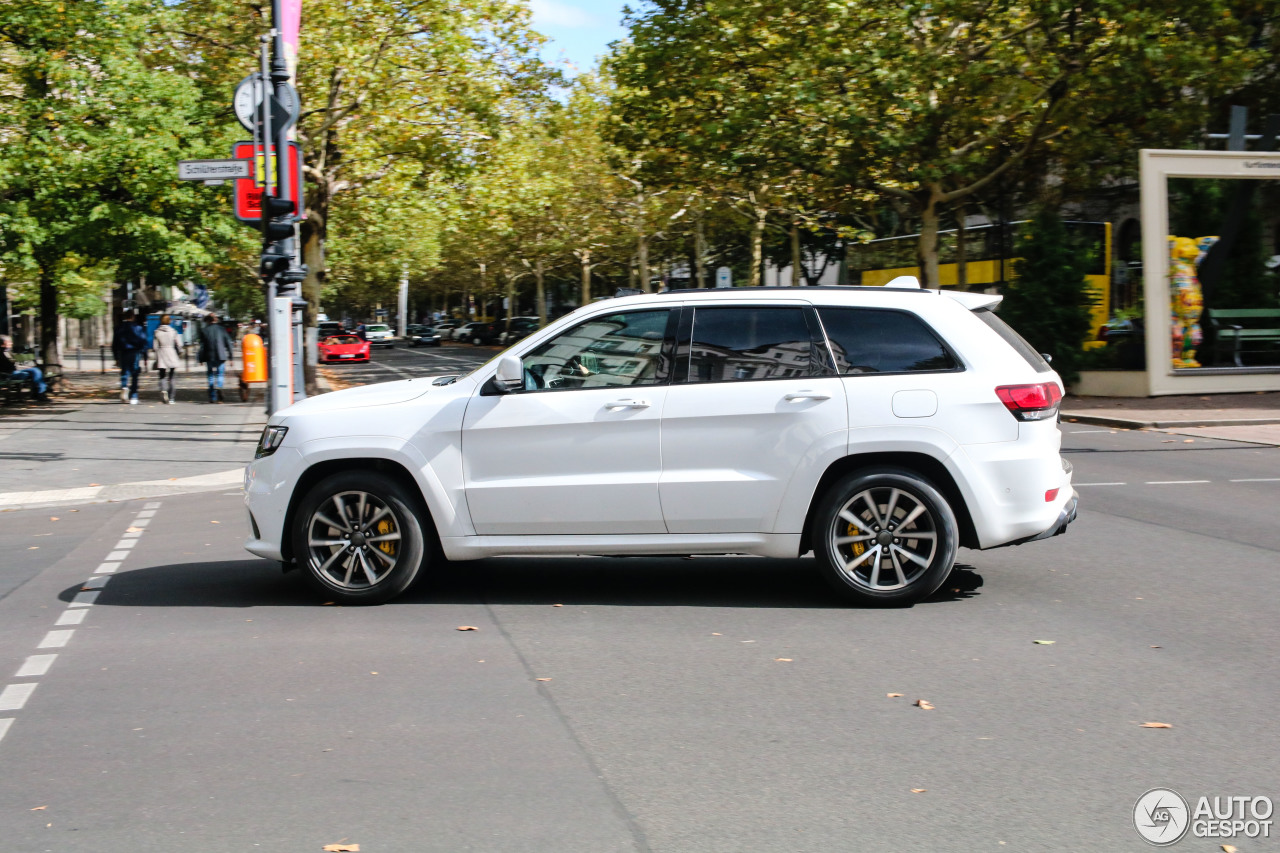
(862, 528)
(475, 342)
(379, 552)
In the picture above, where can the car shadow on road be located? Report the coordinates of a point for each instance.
(628, 582)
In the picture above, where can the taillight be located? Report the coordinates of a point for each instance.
(1038, 402)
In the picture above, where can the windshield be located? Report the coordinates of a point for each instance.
(377, 328)
(340, 340)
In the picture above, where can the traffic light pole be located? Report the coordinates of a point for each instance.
(281, 266)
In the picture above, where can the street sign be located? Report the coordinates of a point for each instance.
(213, 170)
(249, 190)
(724, 277)
(247, 103)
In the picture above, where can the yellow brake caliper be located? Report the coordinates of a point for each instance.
(388, 547)
(856, 547)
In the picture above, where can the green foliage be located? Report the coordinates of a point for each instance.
(1049, 302)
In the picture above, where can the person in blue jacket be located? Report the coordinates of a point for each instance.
(128, 343)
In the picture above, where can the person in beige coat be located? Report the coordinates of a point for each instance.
(167, 344)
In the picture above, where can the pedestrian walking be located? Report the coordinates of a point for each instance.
(32, 374)
(215, 351)
(167, 345)
(128, 343)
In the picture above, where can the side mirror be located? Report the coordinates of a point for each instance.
(510, 375)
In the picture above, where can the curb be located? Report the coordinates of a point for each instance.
(1131, 423)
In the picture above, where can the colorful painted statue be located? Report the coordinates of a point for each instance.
(1187, 300)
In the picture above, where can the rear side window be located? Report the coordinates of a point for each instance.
(745, 343)
(1013, 339)
(871, 340)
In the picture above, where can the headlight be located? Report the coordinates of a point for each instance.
(272, 437)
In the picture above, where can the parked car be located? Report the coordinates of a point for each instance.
(477, 333)
(424, 336)
(521, 328)
(879, 428)
(337, 348)
(379, 335)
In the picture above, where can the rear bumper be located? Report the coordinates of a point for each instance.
(1065, 517)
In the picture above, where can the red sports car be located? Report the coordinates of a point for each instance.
(343, 348)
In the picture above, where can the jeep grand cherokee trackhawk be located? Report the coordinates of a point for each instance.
(879, 428)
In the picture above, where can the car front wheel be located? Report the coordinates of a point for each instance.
(359, 538)
(885, 537)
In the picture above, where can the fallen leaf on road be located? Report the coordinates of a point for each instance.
(215, 522)
(542, 679)
(34, 548)
(1188, 441)
(1157, 647)
(1156, 726)
(783, 660)
(918, 790)
(341, 848)
(924, 704)
(1044, 642)
(133, 530)
(1228, 848)
(92, 484)
(468, 628)
(326, 604)
(893, 695)
(557, 605)
(53, 518)
(39, 808)
(373, 673)
(714, 634)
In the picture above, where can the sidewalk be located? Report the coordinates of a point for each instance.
(1236, 417)
(89, 447)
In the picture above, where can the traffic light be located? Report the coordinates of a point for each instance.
(277, 218)
(274, 260)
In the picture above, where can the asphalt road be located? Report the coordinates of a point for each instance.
(205, 701)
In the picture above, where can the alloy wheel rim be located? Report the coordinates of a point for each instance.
(884, 538)
(353, 540)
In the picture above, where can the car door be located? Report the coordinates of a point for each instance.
(754, 397)
(578, 450)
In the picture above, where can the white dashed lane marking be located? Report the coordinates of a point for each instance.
(35, 665)
(14, 696)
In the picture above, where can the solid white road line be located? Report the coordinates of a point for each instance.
(1174, 482)
(55, 640)
(13, 697)
(35, 665)
(1257, 480)
(1099, 484)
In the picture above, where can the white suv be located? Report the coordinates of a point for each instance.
(880, 428)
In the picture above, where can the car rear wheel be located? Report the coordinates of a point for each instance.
(885, 537)
(359, 537)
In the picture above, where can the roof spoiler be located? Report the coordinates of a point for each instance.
(974, 301)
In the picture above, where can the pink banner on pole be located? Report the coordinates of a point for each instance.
(290, 25)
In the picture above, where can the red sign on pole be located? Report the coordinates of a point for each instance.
(249, 190)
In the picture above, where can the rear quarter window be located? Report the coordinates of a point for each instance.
(1013, 339)
(876, 340)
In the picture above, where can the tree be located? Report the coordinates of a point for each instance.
(926, 102)
(92, 125)
(1049, 302)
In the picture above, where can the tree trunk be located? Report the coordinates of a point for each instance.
(48, 318)
(795, 252)
(757, 245)
(962, 257)
(539, 277)
(642, 261)
(584, 257)
(313, 239)
(511, 301)
(700, 252)
(927, 245)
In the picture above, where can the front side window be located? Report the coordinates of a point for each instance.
(738, 344)
(612, 350)
(870, 340)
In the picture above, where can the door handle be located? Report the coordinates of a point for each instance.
(807, 395)
(627, 404)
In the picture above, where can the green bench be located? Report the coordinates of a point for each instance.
(1244, 330)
